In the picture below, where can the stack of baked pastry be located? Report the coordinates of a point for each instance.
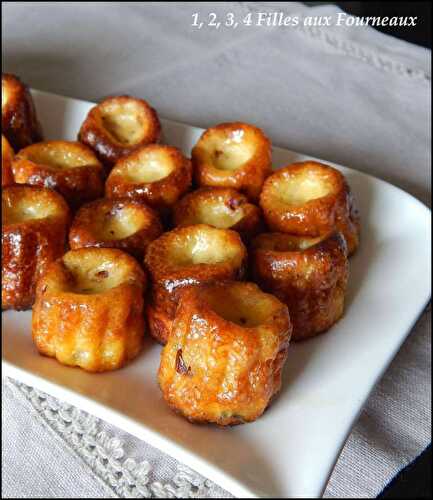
(219, 259)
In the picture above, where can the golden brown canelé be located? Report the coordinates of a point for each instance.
(89, 309)
(310, 199)
(156, 174)
(184, 257)
(34, 228)
(7, 156)
(308, 274)
(224, 208)
(224, 358)
(70, 168)
(128, 225)
(119, 125)
(20, 125)
(235, 155)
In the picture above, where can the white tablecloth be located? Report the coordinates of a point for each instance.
(349, 95)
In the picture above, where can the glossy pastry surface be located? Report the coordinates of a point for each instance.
(70, 168)
(310, 199)
(224, 208)
(156, 174)
(185, 257)
(308, 274)
(119, 125)
(126, 224)
(224, 358)
(20, 125)
(235, 155)
(34, 228)
(7, 157)
(89, 309)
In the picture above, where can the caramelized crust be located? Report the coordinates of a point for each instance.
(126, 224)
(117, 126)
(158, 175)
(89, 309)
(68, 167)
(310, 199)
(7, 156)
(186, 257)
(19, 122)
(224, 208)
(159, 321)
(235, 155)
(308, 274)
(224, 358)
(34, 226)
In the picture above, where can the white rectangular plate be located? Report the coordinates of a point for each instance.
(290, 451)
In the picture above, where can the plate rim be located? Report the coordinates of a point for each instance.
(157, 439)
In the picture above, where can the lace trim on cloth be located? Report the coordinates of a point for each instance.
(348, 48)
(127, 477)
